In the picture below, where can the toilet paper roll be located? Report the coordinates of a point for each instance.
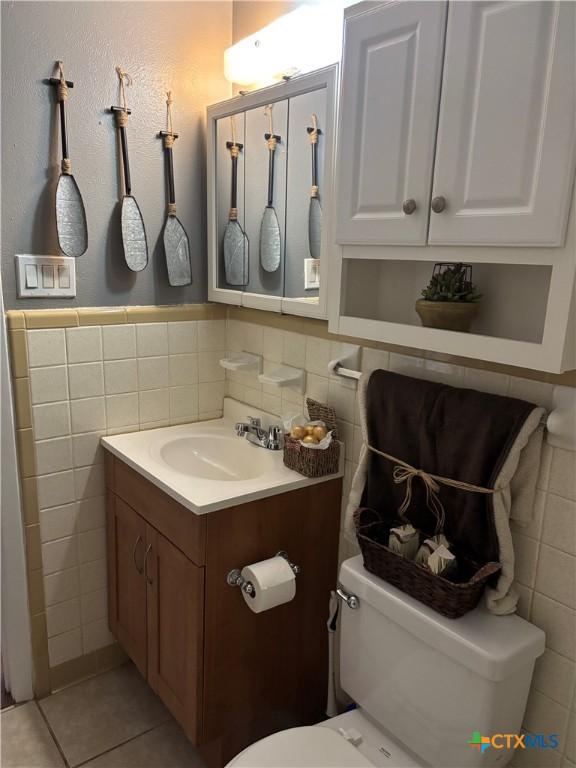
(273, 581)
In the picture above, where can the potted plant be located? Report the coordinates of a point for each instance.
(450, 301)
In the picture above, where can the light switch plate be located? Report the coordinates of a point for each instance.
(311, 274)
(58, 271)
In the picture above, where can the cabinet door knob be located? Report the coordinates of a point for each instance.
(438, 204)
(409, 206)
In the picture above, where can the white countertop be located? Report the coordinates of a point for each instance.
(146, 453)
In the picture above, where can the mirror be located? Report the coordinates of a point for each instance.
(269, 185)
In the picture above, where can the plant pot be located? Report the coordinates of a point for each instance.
(448, 315)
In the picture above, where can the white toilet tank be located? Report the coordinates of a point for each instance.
(430, 681)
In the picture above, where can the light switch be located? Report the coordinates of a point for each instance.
(47, 276)
(63, 277)
(311, 274)
(31, 276)
(39, 277)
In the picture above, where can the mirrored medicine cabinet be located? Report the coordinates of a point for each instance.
(270, 168)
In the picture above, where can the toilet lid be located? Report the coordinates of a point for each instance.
(301, 748)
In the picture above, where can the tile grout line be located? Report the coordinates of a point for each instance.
(121, 744)
(52, 734)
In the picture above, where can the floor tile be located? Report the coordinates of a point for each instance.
(101, 713)
(164, 747)
(26, 740)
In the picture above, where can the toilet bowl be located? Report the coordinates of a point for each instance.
(424, 684)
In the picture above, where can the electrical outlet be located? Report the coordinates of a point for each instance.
(39, 277)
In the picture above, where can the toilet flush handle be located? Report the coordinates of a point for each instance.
(351, 600)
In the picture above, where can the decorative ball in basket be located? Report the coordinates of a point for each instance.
(319, 456)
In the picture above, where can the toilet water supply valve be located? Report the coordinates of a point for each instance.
(235, 578)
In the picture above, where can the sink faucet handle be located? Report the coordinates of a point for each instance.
(276, 437)
(254, 421)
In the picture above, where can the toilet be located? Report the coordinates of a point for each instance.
(423, 685)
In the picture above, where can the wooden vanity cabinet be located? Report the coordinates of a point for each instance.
(228, 675)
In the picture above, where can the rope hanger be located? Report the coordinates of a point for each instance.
(124, 80)
(272, 141)
(62, 86)
(169, 102)
(234, 150)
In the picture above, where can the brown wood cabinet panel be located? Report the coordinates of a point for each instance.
(181, 526)
(109, 462)
(268, 671)
(175, 590)
(126, 584)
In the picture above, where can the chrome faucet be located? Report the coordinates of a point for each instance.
(272, 439)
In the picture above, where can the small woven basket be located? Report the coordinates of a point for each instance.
(450, 598)
(313, 462)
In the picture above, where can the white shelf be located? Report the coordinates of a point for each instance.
(243, 361)
(285, 376)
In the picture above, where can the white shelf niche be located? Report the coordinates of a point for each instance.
(388, 290)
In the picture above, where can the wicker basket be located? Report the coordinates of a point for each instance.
(450, 598)
(312, 462)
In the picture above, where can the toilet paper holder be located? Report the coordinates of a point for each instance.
(235, 578)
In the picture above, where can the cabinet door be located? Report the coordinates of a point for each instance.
(126, 584)
(175, 589)
(388, 114)
(506, 135)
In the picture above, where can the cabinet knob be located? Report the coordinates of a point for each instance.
(438, 204)
(409, 206)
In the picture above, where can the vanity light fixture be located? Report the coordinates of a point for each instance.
(303, 40)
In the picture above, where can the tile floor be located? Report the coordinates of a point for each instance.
(110, 721)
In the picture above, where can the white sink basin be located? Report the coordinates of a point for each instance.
(205, 466)
(215, 457)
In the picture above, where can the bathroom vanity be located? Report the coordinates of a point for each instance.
(228, 675)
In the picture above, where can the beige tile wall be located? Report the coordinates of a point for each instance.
(79, 375)
(105, 371)
(546, 550)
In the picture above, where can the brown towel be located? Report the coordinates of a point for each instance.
(458, 433)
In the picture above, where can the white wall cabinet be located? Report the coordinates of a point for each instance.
(390, 91)
(505, 146)
(475, 103)
(503, 156)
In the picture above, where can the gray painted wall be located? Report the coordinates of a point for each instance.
(163, 45)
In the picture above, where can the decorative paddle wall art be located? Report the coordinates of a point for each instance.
(235, 243)
(176, 245)
(133, 231)
(270, 243)
(315, 212)
(70, 212)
